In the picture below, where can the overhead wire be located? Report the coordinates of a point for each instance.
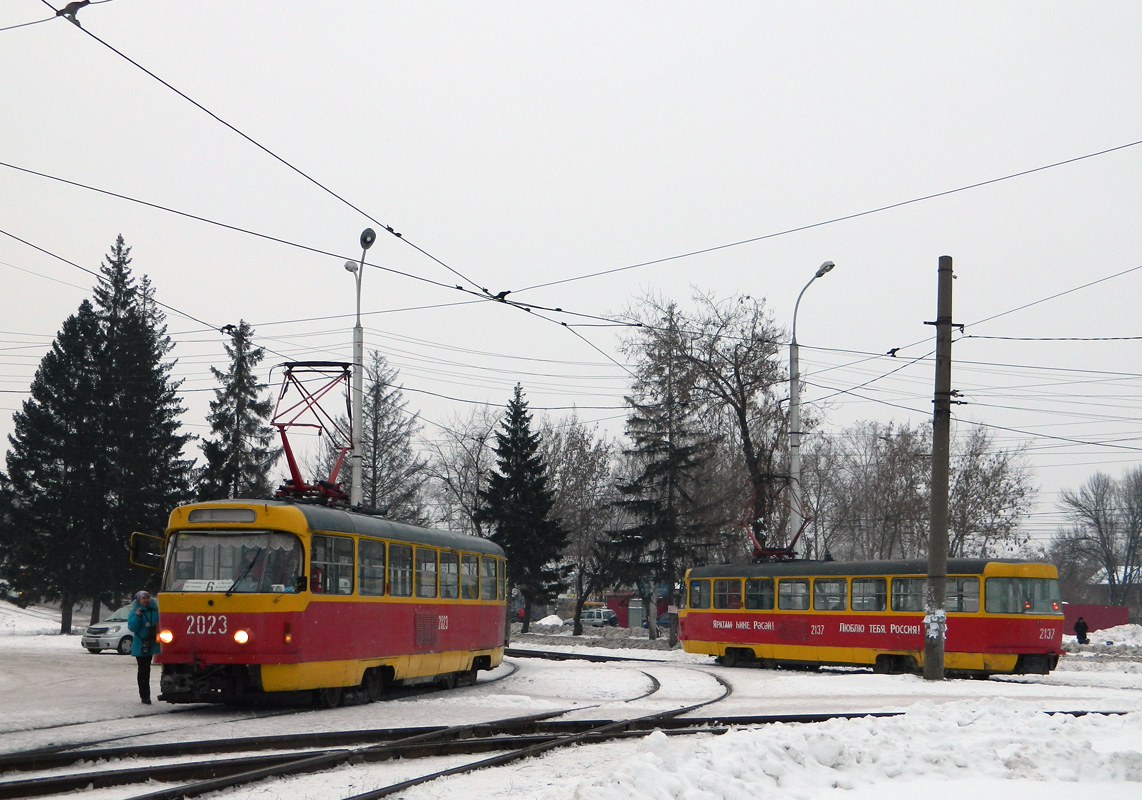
(272, 154)
(501, 297)
(835, 220)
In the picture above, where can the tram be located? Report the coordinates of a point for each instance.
(1003, 616)
(268, 597)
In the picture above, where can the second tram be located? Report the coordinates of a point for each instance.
(1003, 616)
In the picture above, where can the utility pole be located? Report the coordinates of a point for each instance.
(356, 490)
(797, 515)
(935, 617)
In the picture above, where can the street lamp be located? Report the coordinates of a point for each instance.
(797, 517)
(356, 492)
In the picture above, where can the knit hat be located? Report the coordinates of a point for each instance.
(140, 595)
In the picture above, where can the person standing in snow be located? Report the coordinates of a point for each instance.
(143, 622)
(1080, 630)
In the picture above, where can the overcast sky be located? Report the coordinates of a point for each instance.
(519, 145)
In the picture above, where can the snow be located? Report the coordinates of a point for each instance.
(1121, 635)
(955, 738)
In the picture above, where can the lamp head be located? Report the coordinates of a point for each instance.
(828, 265)
(368, 236)
(350, 266)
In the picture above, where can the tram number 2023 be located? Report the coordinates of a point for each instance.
(206, 623)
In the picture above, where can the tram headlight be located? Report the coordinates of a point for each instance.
(241, 636)
(165, 636)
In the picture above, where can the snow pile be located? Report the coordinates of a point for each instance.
(550, 620)
(957, 741)
(31, 621)
(1117, 642)
(1129, 635)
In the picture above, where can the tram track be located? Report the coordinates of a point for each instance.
(14, 760)
(256, 759)
(288, 754)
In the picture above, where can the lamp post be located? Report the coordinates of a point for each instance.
(356, 492)
(797, 517)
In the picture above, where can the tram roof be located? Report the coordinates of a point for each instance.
(323, 519)
(917, 566)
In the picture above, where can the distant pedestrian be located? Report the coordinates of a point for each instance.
(143, 622)
(1080, 630)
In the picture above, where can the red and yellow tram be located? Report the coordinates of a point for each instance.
(263, 597)
(1003, 616)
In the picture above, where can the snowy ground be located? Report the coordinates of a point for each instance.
(957, 738)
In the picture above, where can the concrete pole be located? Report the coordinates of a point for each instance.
(935, 618)
(356, 491)
(797, 513)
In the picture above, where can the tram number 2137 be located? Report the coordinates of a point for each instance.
(206, 623)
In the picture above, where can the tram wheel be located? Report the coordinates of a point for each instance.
(467, 677)
(328, 698)
(372, 684)
(448, 681)
(730, 658)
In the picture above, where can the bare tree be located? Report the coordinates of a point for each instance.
(869, 489)
(991, 491)
(880, 492)
(1078, 566)
(728, 349)
(581, 464)
(1106, 518)
(459, 464)
(393, 474)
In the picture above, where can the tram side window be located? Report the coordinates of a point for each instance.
(487, 578)
(1022, 596)
(962, 594)
(1041, 596)
(728, 593)
(449, 575)
(830, 594)
(469, 576)
(793, 595)
(371, 567)
(503, 580)
(908, 594)
(699, 594)
(759, 593)
(425, 572)
(870, 594)
(331, 564)
(400, 570)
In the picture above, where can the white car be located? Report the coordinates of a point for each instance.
(598, 617)
(111, 634)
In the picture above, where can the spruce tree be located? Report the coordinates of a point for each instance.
(146, 473)
(238, 453)
(664, 500)
(96, 451)
(392, 474)
(517, 506)
(55, 501)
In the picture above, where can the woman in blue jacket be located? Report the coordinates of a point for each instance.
(143, 622)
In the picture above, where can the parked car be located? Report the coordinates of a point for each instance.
(111, 634)
(598, 617)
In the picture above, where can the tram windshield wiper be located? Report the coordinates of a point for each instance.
(245, 571)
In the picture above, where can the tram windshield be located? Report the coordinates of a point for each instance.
(233, 561)
(1022, 596)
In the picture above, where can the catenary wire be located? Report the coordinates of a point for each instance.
(275, 156)
(844, 218)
